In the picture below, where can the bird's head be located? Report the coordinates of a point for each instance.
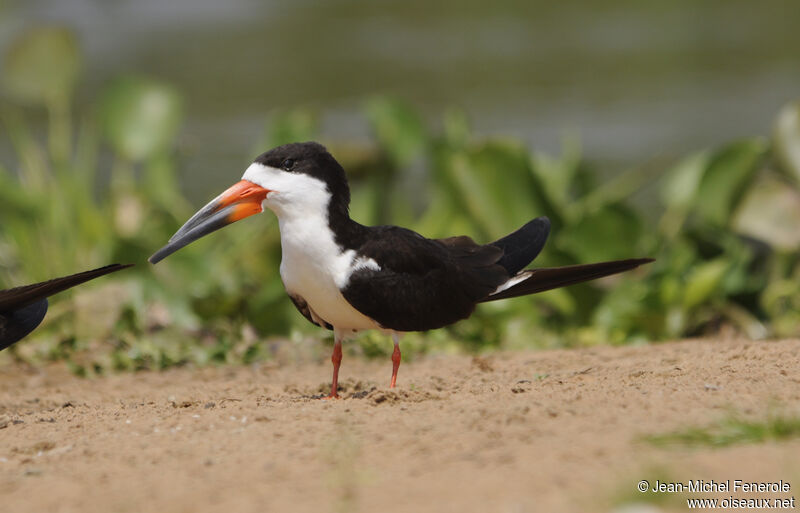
(294, 181)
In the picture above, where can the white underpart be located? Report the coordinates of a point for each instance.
(313, 266)
(524, 275)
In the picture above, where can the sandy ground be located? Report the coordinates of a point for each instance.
(512, 432)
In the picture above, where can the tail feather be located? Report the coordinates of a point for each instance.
(522, 246)
(540, 280)
(19, 297)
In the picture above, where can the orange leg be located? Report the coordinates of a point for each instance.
(395, 359)
(336, 358)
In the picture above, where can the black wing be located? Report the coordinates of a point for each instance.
(422, 283)
(23, 308)
(12, 299)
(303, 308)
(14, 326)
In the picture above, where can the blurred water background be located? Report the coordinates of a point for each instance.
(637, 81)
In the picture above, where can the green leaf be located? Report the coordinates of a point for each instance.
(557, 174)
(703, 282)
(679, 185)
(622, 307)
(787, 139)
(42, 65)
(770, 211)
(726, 178)
(456, 127)
(781, 301)
(494, 185)
(140, 117)
(398, 128)
(606, 234)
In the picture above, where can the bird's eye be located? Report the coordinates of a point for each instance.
(287, 164)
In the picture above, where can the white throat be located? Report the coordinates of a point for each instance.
(293, 195)
(313, 266)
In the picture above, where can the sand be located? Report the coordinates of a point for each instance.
(510, 432)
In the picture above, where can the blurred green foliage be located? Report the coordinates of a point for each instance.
(732, 430)
(724, 227)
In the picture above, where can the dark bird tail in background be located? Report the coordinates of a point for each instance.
(23, 308)
(540, 280)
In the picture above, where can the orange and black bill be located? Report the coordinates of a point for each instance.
(240, 201)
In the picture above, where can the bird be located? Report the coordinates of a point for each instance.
(348, 277)
(23, 308)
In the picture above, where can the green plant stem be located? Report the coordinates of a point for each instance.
(60, 129)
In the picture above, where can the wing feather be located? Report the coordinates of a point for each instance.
(422, 283)
(12, 299)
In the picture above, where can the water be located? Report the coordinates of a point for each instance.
(635, 80)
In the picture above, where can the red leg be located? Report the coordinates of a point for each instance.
(336, 358)
(395, 360)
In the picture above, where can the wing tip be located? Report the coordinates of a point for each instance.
(575, 274)
(119, 267)
(24, 295)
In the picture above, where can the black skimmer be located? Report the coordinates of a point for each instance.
(347, 277)
(23, 308)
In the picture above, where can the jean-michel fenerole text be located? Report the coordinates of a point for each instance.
(728, 485)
